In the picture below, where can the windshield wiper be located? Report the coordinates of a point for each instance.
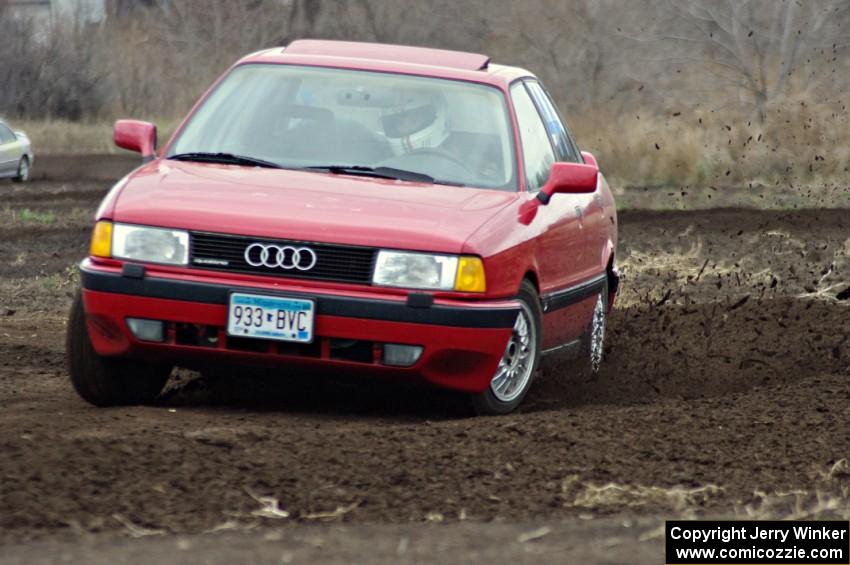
(226, 158)
(381, 172)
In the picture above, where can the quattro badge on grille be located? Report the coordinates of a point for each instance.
(205, 261)
(286, 257)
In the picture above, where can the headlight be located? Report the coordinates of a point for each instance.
(154, 245)
(431, 272)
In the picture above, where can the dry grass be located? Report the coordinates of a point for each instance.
(681, 500)
(829, 497)
(691, 262)
(797, 146)
(55, 219)
(63, 137)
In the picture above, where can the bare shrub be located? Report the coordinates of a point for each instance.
(49, 76)
(161, 59)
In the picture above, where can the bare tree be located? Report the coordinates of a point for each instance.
(755, 49)
(155, 57)
(48, 75)
(569, 44)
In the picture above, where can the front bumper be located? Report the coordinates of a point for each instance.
(462, 341)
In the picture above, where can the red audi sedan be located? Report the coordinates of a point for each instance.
(355, 208)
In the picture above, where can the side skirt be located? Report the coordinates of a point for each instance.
(569, 296)
(564, 352)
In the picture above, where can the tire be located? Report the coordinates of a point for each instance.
(104, 381)
(593, 341)
(23, 170)
(505, 393)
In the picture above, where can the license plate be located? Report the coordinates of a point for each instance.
(271, 317)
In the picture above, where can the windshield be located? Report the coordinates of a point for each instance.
(297, 116)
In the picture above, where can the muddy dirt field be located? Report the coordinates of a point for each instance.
(726, 391)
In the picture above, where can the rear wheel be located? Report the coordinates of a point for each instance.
(594, 337)
(104, 381)
(519, 362)
(23, 170)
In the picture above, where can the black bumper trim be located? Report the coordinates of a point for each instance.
(385, 310)
(569, 296)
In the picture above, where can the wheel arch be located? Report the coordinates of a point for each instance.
(613, 278)
(531, 276)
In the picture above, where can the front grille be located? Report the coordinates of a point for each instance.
(342, 263)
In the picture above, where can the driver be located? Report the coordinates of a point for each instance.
(419, 121)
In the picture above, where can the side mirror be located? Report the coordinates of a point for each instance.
(570, 178)
(589, 158)
(134, 135)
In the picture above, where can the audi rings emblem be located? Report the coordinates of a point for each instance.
(280, 256)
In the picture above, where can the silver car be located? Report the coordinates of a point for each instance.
(15, 154)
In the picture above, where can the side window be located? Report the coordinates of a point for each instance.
(537, 154)
(6, 135)
(565, 149)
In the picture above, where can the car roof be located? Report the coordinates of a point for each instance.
(458, 65)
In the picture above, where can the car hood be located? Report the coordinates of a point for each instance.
(306, 206)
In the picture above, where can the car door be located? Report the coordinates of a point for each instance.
(9, 152)
(559, 245)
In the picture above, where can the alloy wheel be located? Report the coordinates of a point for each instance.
(24, 170)
(597, 334)
(517, 363)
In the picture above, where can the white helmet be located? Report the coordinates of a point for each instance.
(418, 121)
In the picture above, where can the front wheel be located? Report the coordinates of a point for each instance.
(104, 381)
(23, 170)
(519, 362)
